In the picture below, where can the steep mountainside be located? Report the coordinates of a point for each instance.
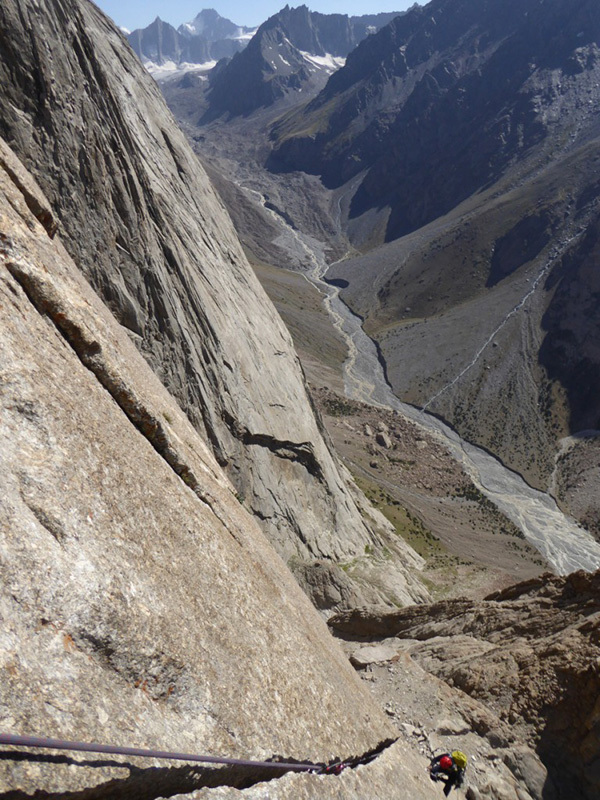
(444, 98)
(141, 220)
(488, 317)
(293, 51)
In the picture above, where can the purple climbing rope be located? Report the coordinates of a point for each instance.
(59, 744)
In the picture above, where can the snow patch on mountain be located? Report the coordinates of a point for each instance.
(328, 62)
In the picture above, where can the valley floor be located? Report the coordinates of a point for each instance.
(470, 548)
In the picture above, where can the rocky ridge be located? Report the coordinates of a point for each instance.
(294, 51)
(140, 218)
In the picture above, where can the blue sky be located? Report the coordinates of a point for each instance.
(139, 13)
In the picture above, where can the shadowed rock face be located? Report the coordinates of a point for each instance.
(141, 220)
(140, 603)
(158, 42)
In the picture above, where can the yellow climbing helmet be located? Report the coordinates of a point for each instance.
(459, 759)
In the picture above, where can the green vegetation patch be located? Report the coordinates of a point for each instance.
(443, 569)
(406, 525)
(474, 495)
(340, 407)
(296, 125)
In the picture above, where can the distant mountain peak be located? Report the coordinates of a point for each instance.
(209, 24)
(206, 39)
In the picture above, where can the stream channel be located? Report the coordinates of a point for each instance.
(563, 543)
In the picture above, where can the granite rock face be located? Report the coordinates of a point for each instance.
(141, 604)
(140, 219)
(396, 775)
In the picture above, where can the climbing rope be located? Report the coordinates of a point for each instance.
(59, 744)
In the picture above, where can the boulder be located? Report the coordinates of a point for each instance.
(452, 727)
(528, 769)
(376, 654)
(384, 440)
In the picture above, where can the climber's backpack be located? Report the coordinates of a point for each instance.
(459, 759)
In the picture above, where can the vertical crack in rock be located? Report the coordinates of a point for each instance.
(33, 197)
(142, 784)
(39, 210)
(54, 526)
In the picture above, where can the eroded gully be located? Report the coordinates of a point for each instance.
(562, 542)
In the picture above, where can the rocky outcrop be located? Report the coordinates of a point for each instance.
(530, 654)
(141, 220)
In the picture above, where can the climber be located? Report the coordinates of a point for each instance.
(450, 768)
